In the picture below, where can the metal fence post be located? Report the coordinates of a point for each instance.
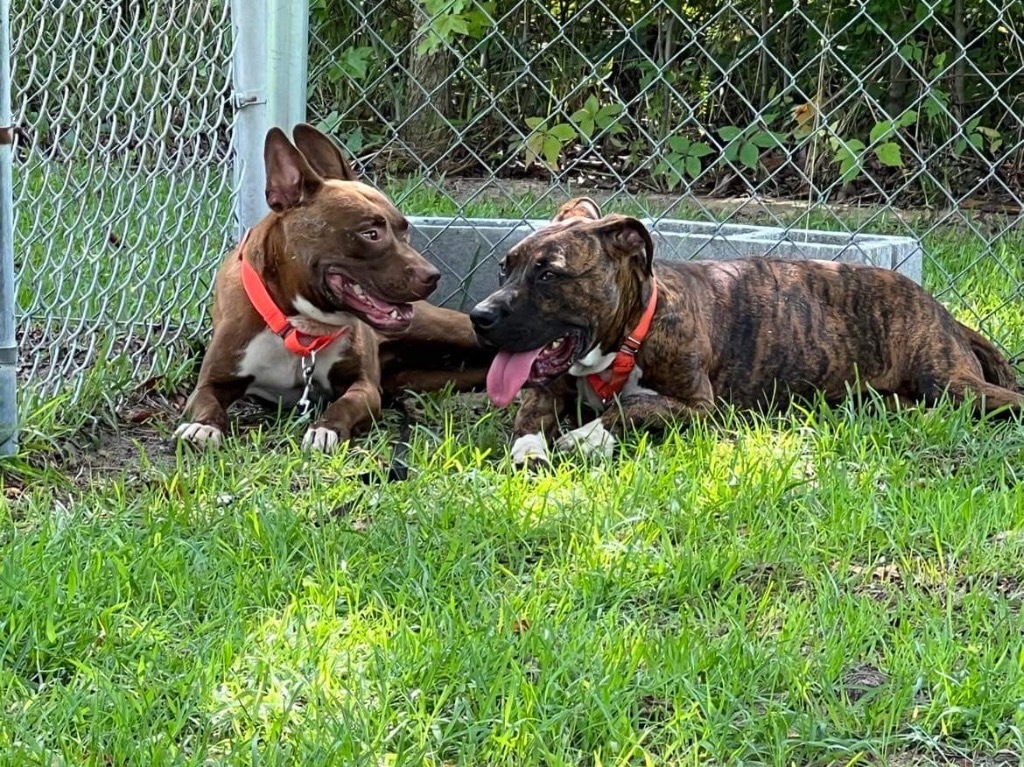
(8, 347)
(270, 89)
(287, 48)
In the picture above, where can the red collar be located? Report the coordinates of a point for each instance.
(295, 341)
(625, 359)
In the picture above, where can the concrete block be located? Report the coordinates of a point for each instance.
(468, 250)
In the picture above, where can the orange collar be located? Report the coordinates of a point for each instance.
(625, 359)
(295, 341)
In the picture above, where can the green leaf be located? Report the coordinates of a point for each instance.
(584, 123)
(610, 111)
(764, 139)
(563, 132)
(591, 104)
(732, 151)
(910, 52)
(749, 155)
(679, 144)
(692, 166)
(843, 155)
(51, 629)
(535, 122)
(669, 171)
(700, 149)
(849, 169)
(882, 130)
(354, 141)
(729, 132)
(552, 149)
(855, 146)
(458, 24)
(889, 154)
(673, 178)
(907, 118)
(935, 103)
(534, 148)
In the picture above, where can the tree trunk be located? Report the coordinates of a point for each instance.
(423, 124)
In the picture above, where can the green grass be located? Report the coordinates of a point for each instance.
(704, 599)
(825, 587)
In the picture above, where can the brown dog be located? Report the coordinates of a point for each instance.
(753, 332)
(318, 298)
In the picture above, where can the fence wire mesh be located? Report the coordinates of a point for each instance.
(122, 184)
(891, 116)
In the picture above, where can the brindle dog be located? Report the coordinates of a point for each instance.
(753, 332)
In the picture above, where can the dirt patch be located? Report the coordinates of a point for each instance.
(736, 209)
(136, 437)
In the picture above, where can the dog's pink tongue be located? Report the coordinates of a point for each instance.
(507, 375)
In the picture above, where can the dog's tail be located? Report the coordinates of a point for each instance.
(994, 366)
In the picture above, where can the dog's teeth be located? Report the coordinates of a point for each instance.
(357, 289)
(556, 344)
(394, 314)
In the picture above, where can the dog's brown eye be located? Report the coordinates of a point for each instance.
(546, 276)
(372, 235)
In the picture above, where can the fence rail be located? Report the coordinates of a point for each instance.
(891, 116)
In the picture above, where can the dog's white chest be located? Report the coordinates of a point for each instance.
(277, 373)
(595, 362)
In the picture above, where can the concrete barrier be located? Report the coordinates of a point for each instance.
(468, 250)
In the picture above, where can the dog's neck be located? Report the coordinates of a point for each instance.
(267, 251)
(631, 307)
(633, 298)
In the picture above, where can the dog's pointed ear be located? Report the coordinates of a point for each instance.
(578, 207)
(290, 179)
(322, 153)
(626, 237)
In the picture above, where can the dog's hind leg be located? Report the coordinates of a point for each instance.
(995, 367)
(988, 398)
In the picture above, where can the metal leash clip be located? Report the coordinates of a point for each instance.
(304, 403)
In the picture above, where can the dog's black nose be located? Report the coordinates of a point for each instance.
(485, 316)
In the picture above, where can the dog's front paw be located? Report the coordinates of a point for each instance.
(589, 439)
(530, 450)
(321, 439)
(199, 435)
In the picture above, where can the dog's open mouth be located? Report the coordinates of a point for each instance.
(510, 371)
(381, 314)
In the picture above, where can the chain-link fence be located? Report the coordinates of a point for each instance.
(888, 116)
(122, 183)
